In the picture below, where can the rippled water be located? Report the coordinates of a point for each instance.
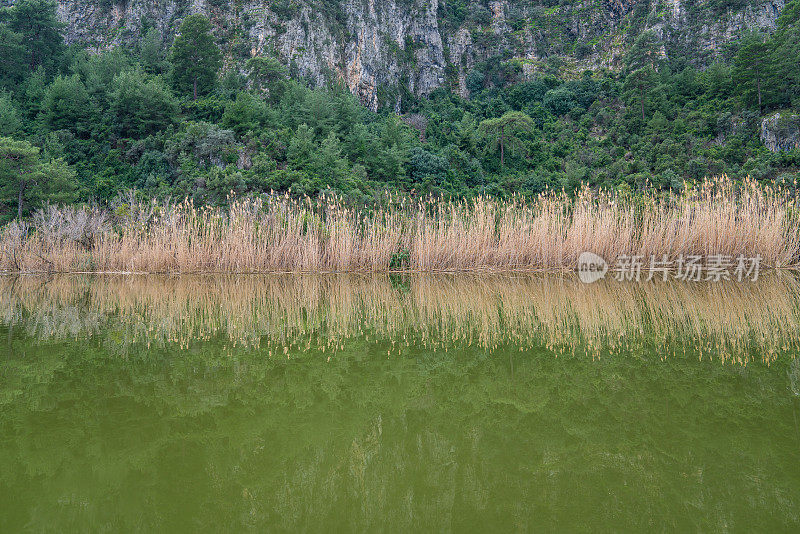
(412, 403)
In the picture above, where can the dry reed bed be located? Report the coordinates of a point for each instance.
(276, 233)
(727, 320)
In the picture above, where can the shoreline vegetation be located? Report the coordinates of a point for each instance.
(278, 233)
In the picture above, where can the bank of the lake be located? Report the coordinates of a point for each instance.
(277, 233)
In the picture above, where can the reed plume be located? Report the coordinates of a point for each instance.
(276, 233)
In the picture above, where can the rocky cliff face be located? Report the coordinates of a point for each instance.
(383, 48)
(781, 131)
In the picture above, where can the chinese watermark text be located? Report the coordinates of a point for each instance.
(686, 268)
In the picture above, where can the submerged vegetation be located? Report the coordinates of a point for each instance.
(280, 233)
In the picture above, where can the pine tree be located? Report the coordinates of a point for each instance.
(640, 82)
(36, 22)
(10, 120)
(12, 58)
(644, 52)
(141, 104)
(66, 105)
(751, 68)
(195, 57)
(25, 179)
(150, 52)
(505, 131)
(786, 51)
(266, 74)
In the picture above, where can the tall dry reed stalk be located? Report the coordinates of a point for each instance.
(279, 233)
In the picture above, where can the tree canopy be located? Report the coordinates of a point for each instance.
(104, 123)
(26, 180)
(196, 58)
(506, 131)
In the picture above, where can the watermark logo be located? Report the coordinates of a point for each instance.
(691, 268)
(591, 267)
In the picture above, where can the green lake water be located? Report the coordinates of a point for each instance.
(398, 403)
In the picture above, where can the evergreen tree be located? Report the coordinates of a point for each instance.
(151, 54)
(36, 23)
(33, 90)
(328, 162)
(301, 147)
(97, 71)
(266, 74)
(639, 82)
(195, 57)
(505, 131)
(10, 120)
(141, 105)
(786, 54)
(25, 180)
(751, 68)
(246, 113)
(19, 170)
(12, 58)
(66, 105)
(644, 52)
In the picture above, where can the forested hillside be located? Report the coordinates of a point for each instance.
(181, 117)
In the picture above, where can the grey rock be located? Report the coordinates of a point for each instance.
(365, 43)
(781, 131)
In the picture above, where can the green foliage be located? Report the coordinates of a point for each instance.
(97, 71)
(26, 181)
(39, 31)
(644, 52)
(10, 117)
(250, 129)
(559, 101)
(751, 68)
(426, 168)
(141, 105)
(151, 55)
(506, 131)
(785, 51)
(637, 86)
(266, 74)
(195, 57)
(400, 260)
(12, 57)
(246, 113)
(66, 105)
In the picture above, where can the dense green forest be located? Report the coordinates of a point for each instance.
(179, 120)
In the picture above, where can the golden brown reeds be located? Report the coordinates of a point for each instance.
(277, 233)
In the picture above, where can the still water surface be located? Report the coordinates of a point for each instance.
(377, 403)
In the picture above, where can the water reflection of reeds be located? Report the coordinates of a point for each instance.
(284, 313)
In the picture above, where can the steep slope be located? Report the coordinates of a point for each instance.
(382, 48)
